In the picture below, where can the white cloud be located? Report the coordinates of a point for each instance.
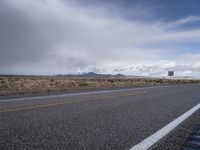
(181, 22)
(184, 65)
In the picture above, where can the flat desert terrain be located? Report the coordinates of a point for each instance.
(11, 85)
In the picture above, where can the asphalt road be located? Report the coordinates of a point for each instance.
(112, 119)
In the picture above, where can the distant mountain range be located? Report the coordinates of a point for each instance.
(93, 75)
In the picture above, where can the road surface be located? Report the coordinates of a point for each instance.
(110, 119)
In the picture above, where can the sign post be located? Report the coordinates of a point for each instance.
(170, 74)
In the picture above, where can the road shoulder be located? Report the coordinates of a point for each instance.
(177, 138)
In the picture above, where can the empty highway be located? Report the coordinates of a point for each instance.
(112, 119)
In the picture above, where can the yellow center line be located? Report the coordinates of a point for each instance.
(71, 102)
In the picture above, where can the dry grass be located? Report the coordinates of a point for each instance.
(21, 85)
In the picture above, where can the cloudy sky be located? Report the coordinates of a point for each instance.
(133, 37)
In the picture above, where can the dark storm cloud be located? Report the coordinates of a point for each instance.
(30, 39)
(19, 41)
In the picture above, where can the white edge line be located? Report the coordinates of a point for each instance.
(74, 94)
(151, 140)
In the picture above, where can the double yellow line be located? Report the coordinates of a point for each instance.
(67, 102)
